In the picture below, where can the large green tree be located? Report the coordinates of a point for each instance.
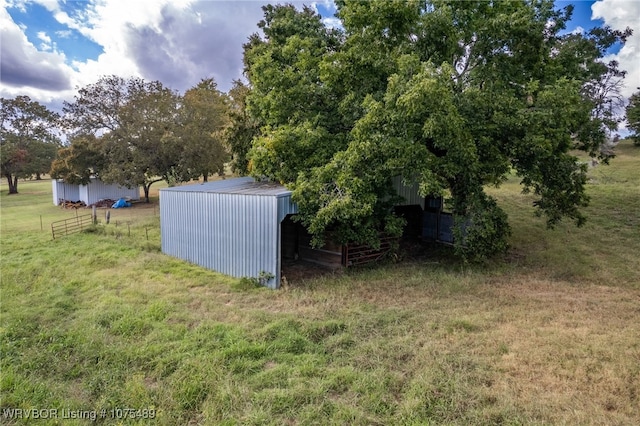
(243, 127)
(301, 128)
(28, 139)
(204, 117)
(136, 124)
(633, 117)
(451, 95)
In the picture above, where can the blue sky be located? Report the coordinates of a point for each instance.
(52, 47)
(581, 13)
(39, 23)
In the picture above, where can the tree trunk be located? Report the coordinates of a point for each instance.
(205, 177)
(146, 191)
(146, 188)
(38, 177)
(13, 183)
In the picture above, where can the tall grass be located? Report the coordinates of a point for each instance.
(547, 335)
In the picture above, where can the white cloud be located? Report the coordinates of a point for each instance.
(178, 42)
(50, 5)
(329, 5)
(578, 30)
(620, 14)
(46, 41)
(64, 33)
(26, 70)
(18, 4)
(332, 22)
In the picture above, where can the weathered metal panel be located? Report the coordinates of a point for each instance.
(430, 225)
(410, 192)
(445, 228)
(236, 233)
(438, 226)
(97, 190)
(65, 191)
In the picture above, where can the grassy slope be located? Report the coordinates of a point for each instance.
(548, 335)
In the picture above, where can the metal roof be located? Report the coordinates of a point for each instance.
(241, 186)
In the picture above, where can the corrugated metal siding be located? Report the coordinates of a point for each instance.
(409, 193)
(64, 190)
(286, 207)
(98, 190)
(234, 233)
(438, 226)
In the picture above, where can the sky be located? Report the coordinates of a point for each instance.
(50, 48)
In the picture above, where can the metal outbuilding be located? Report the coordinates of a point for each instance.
(232, 226)
(243, 228)
(93, 192)
(64, 191)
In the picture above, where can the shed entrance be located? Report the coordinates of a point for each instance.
(296, 246)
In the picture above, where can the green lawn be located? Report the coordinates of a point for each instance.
(548, 334)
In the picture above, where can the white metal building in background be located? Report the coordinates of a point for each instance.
(231, 226)
(95, 191)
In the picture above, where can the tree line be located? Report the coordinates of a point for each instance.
(452, 96)
(135, 133)
(29, 139)
(126, 131)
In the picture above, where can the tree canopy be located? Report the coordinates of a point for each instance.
(135, 133)
(243, 127)
(203, 118)
(28, 139)
(134, 121)
(450, 95)
(81, 159)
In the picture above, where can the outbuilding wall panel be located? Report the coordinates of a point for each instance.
(234, 234)
(64, 191)
(97, 190)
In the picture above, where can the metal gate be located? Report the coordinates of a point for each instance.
(360, 254)
(64, 227)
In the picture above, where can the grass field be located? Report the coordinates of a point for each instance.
(548, 334)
